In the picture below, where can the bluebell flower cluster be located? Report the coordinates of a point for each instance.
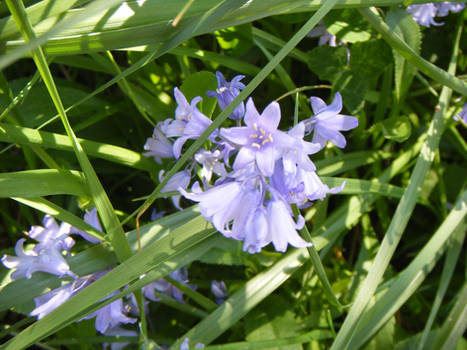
(48, 255)
(254, 172)
(425, 14)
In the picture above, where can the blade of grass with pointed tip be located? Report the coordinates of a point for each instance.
(401, 216)
(116, 154)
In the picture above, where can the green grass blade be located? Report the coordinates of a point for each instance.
(42, 182)
(452, 255)
(454, 326)
(26, 136)
(409, 280)
(102, 202)
(401, 216)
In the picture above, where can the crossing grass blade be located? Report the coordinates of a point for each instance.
(398, 290)
(452, 256)
(401, 216)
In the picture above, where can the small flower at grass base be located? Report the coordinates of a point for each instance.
(226, 92)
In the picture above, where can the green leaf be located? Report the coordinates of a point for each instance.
(370, 58)
(347, 25)
(353, 89)
(328, 62)
(397, 128)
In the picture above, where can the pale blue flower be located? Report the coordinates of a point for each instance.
(48, 302)
(228, 205)
(110, 315)
(462, 115)
(226, 92)
(186, 345)
(219, 290)
(211, 162)
(178, 180)
(282, 227)
(48, 259)
(326, 122)
(324, 36)
(260, 141)
(424, 14)
(159, 146)
(189, 122)
(180, 275)
(91, 218)
(445, 7)
(51, 234)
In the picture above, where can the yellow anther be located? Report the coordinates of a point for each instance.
(255, 126)
(265, 141)
(254, 136)
(262, 131)
(254, 144)
(270, 138)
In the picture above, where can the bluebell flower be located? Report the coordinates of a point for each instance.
(48, 302)
(445, 7)
(298, 156)
(462, 115)
(51, 234)
(211, 163)
(282, 227)
(326, 122)
(228, 205)
(165, 287)
(260, 141)
(226, 92)
(48, 259)
(424, 14)
(178, 180)
(189, 122)
(159, 146)
(110, 315)
(219, 290)
(91, 218)
(186, 345)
